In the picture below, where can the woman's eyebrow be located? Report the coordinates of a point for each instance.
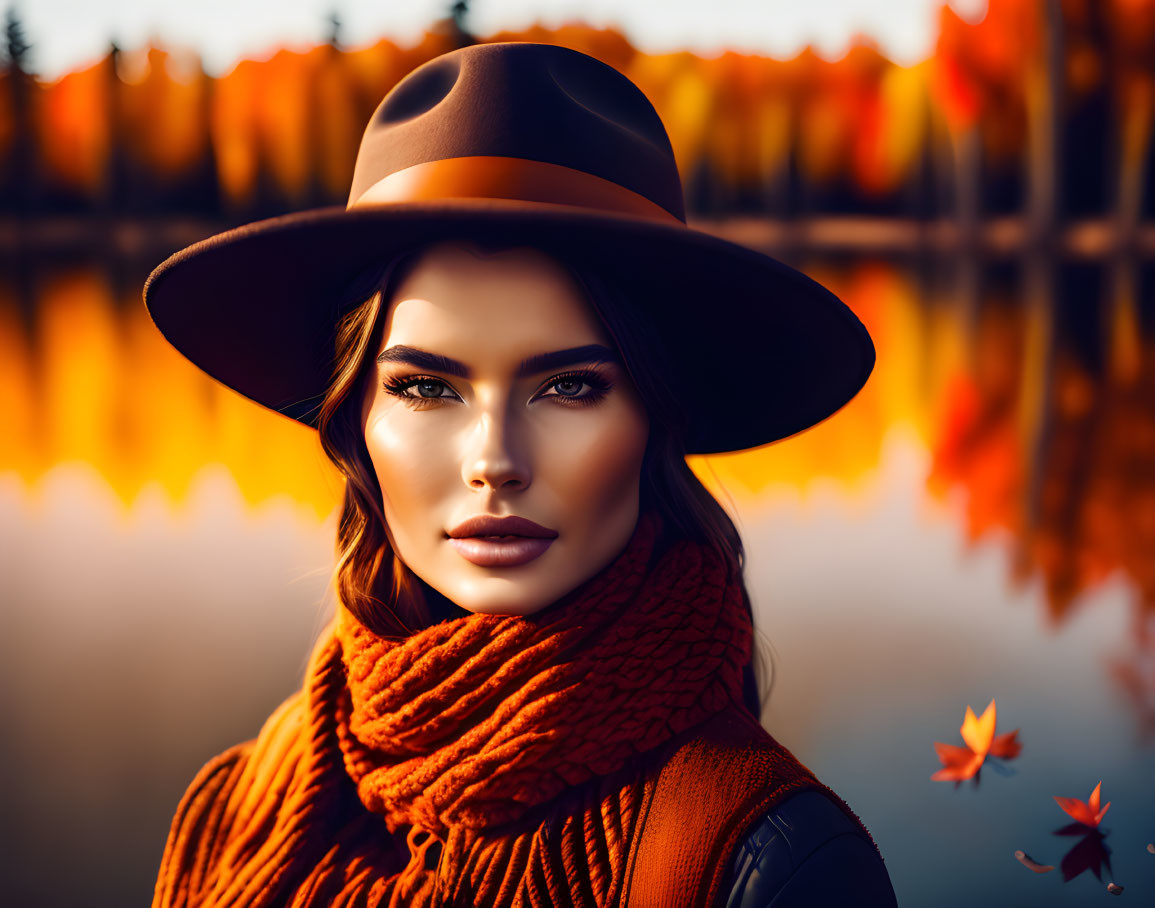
(559, 359)
(540, 362)
(423, 359)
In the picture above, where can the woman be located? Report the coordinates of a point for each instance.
(538, 688)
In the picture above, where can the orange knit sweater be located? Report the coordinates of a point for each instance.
(594, 754)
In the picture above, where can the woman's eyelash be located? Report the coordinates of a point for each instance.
(599, 386)
(400, 386)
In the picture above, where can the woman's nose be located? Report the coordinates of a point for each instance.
(494, 459)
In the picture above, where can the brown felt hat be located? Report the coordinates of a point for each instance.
(543, 145)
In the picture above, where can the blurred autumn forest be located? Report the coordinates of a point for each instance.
(1040, 113)
(1005, 183)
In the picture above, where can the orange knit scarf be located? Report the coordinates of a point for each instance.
(508, 756)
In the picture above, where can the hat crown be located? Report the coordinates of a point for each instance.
(538, 145)
(539, 102)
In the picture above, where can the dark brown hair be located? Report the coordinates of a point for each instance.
(372, 582)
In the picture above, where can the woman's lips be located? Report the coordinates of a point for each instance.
(491, 541)
(500, 551)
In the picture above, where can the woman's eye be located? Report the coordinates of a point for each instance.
(430, 388)
(569, 387)
(583, 388)
(421, 389)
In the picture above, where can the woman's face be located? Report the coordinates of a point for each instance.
(499, 395)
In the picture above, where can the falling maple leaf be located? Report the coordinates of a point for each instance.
(978, 734)
(1086, 812)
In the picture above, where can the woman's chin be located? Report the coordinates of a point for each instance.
(505, 605)
(505, 596)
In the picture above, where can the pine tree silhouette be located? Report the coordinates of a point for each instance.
(16, 47)
(17, 185)
(457, 16)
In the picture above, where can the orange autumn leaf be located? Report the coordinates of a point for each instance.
(1086, 812)
(978, 734)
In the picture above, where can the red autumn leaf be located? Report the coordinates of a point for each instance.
(959, 763)
(978, 733)
(1086, 812)
(1007, 746)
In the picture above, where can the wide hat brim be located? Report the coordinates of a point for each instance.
(758, 351)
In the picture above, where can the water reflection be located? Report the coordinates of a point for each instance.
(85, 377)
(1018, 432)
(1133, 670)
(1038, 413)
(1089, 853)
(1063, 457)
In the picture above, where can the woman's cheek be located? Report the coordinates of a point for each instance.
(597, 463)
(409, 458)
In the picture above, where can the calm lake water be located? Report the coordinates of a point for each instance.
(979, 524)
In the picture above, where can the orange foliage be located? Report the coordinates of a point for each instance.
(749, 117)
(977, 445)
(894, 131)
(838, 102)
(675, 85)
(297, 117)
(235, 133)
(164, 113)
(1132, 31)
(289, 127)
(74, 129)
(281, 112)
(337, 117)
(605, 44)
(981, 70)
(7, 115)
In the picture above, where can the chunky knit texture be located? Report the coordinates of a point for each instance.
(496, 760)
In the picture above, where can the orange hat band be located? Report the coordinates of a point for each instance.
(495, 177)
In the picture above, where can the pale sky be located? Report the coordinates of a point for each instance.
(65, 34)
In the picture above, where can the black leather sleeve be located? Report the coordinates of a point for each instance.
(806, 852)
